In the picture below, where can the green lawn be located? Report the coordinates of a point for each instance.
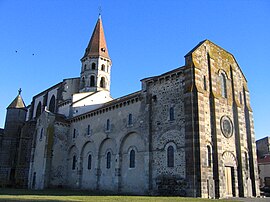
(73, 195)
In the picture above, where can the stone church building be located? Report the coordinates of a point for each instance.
(187, 132)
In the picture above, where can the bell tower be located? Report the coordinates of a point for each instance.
(96, 63)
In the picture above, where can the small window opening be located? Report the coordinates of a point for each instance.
(102, 82)
(209, 160)
(89, 162)
(93, 65)
(74, 161)
(171, 113)
(170, 156)
(92, 81)
(132, 159)
(130, 119)
(108, 125)
(88, 130)
(108, 166)
(74, 133)
(103, 67)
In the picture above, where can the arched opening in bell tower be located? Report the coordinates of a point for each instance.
(92, 81)
(102, 82)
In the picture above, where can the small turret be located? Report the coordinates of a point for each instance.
(96, 63)
(15, 117)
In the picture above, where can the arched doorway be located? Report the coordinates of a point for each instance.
(230, 169)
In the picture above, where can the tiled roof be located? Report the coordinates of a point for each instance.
(17, 103)
(97, 45)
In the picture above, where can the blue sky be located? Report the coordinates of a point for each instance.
(144, 38)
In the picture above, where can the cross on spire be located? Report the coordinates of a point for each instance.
(20, 91)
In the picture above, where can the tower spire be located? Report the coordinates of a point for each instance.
(96, 62)
(97, 45)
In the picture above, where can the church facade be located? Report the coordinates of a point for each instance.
(187, 132)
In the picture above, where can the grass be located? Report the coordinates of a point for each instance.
(76, 195)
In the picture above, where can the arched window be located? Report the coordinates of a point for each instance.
(74, 162)
(108, 125)
(52, 104)
(208, 156)
(93, 65)
(102, 82)
(130, 119)
(108, 166)
(132, 159)
(41, 134)
(103, 67)
(170, 156)
(171, 113)
(89, 164)
(85, 67)
(92, 81)
(223, 85)
(38, 110)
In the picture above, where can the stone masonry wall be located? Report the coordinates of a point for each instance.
(90, 135)
(210, 62)
(168, 129)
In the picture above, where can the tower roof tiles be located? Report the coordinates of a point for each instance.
(97, 45)
(17, 102)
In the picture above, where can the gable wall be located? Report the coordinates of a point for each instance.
(210, 61)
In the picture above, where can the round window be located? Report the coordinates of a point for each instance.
(226, 126)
